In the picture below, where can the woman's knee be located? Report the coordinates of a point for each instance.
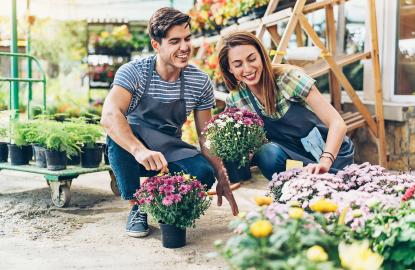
(270, 159)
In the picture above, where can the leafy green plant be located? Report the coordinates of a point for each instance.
(59, 140)
(3, 134)
(85, 135)
(22, 132)
(392, 234)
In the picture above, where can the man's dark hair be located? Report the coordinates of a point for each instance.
(163, 19)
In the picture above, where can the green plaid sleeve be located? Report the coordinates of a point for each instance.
(295, 84)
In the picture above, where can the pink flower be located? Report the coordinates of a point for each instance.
(168, 188)
(201, 194)
(184, 189)
(409, 193)
(168, 200)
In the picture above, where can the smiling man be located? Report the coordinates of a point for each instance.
(144, 112)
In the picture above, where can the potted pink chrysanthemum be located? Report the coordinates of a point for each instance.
(176, 201)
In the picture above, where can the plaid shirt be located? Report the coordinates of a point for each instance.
(294, 86)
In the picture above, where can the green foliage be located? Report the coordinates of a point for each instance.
(64, 45)
(3, 134)
(392, 234)
(86, 134)
(21, 132)
(285, 248)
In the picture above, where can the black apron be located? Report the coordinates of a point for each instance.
(296, 124)
(159, 124)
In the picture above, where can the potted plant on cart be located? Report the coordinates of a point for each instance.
(91, 152)
(4, 152)
(234, 135)
(59, 146)
(176, 201)
(20, 150)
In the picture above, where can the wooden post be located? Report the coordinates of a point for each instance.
(378, 86)
(335, 89)
(272, 5)
(339, 74)
(299, 35)
(289, 30)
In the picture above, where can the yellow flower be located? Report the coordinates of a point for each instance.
(317, 254)
(263, 200)
(261, 228)
(358, 256)
(323, 206)
(186, 176)
(296, 213)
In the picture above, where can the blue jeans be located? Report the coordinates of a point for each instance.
(270, 159)
(128, 171)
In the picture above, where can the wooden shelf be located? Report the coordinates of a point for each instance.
(321, 67)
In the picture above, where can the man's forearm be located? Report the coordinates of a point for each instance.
(120, 131)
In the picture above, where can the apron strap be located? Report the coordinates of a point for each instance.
(256, 107)
(149, 74)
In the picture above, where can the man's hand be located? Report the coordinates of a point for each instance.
(151, 160)
(223, 189)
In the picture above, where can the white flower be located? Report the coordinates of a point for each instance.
(222, 116)
(237, 125)
(207, 144)
(239, 133)
(240, 122)
(230, 120)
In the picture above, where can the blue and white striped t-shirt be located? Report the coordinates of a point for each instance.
(198, 91)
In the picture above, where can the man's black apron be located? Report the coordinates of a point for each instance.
(296, 124)
(159, 125)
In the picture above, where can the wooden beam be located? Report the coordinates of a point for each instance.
(339, 74)
(272, 5)
(299, 36)
(275, 36)
(289, 30)
(335, 89)
(321, 67)
(378, 86)
(320, 5)
(276, 17)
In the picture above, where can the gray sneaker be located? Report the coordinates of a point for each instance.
(137, 225)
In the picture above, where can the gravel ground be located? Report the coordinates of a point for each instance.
(89, 234)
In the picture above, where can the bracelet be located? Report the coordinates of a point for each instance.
(329, 154)
(331, 159)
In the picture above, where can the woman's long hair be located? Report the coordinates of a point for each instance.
(267, 80)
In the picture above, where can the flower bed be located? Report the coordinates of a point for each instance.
(361, 218)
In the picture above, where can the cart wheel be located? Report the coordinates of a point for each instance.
(114, 186)
(62, 198)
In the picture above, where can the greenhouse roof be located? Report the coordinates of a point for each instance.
(93, 10)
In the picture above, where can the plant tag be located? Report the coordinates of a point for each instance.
(292, 164)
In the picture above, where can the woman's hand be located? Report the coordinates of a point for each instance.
(322, 167)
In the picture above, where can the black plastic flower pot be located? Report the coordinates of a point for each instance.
(236, 174)
(55, 160)
(75, 159)
(40, 156)
(29, 152)
(91, 157)
(172, 236)
(4, 152)
(18, 154)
